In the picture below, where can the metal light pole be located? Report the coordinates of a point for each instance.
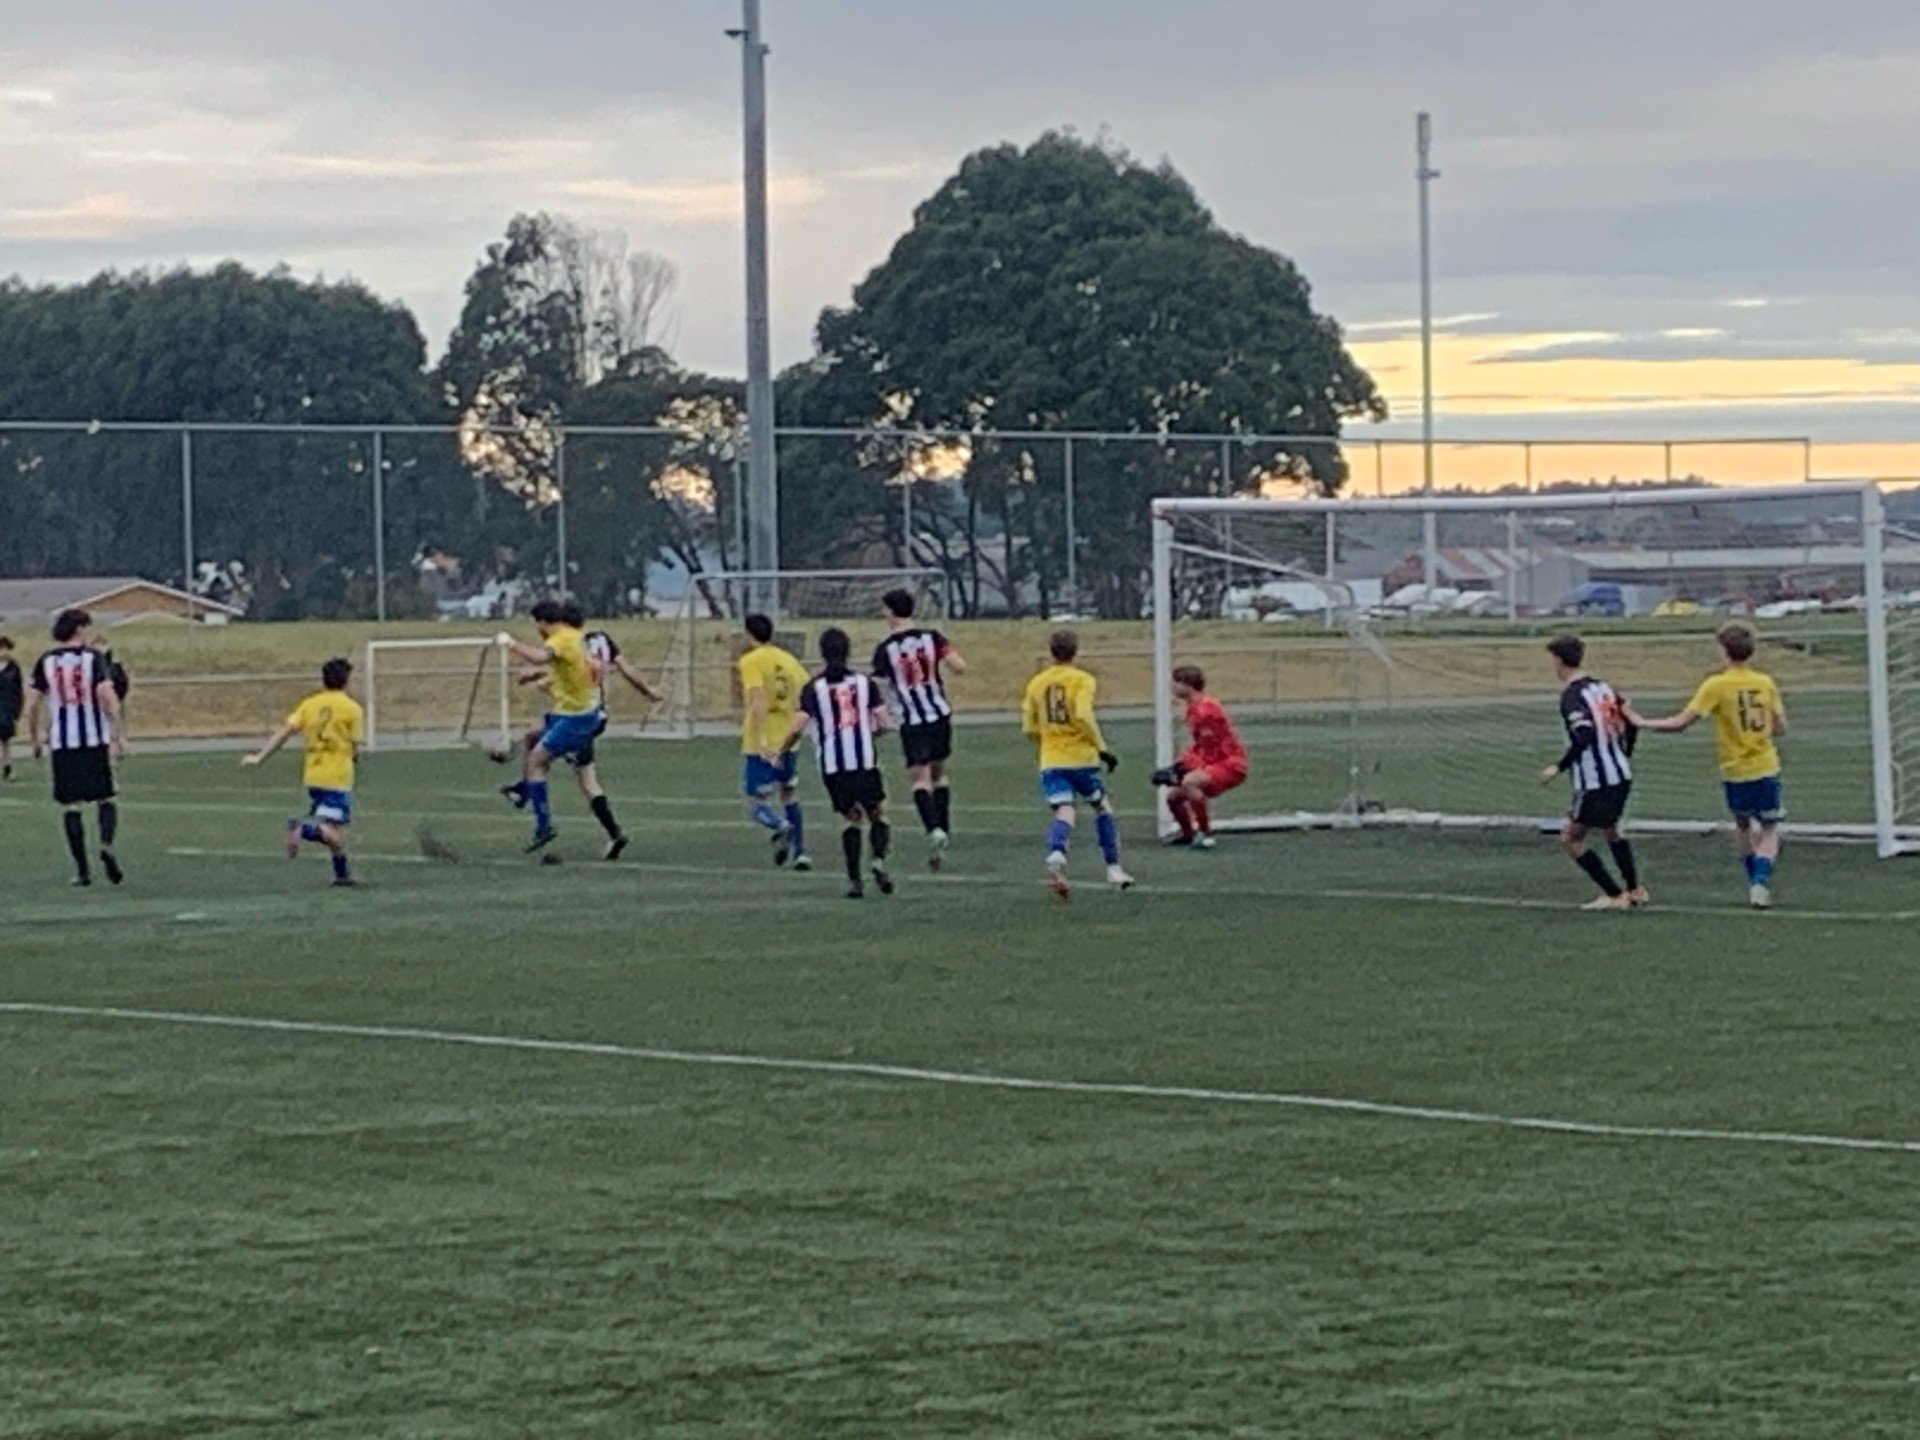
(1426, 175)
(763, 486)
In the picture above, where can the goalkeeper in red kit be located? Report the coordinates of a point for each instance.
(1215, 763)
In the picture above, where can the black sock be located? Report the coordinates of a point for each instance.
(882, 838)
(850, 843)
(1623, 857)
(943, 807)
(928, 807)
(603, 812)
(76, 839)
(109, 823)
(1596, 869)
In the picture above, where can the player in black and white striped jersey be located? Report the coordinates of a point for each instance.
(1599, 760)
(847, 713)
(75, 713)
(911, 660)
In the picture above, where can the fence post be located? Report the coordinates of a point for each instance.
(906, 517)
(1073, 534)
(379, 530)
(560, 508)
(186, 512)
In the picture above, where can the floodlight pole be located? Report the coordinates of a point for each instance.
(763, 486)
(1426, 175)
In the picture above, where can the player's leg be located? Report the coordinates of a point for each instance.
(920, 776)
(107, 817)
(516, 790)
(1106, 825)
(6, 756)
(790, 812)
(1573, 840)
(852, 839)
(760, 783)
(1196, 789)
(588, 774)
(333, 835)
(1765, 855)
(75, 826)
(880, 840)
(539, 766)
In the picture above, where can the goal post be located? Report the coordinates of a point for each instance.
(1369, 695)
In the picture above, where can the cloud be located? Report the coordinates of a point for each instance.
(92, 216)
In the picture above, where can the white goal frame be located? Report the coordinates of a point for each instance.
(501, 703)
(1889, 836)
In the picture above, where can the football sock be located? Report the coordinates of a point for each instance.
(1058, 833)
(882, 838)
(1182, 813)
(310, 830)
(1762, 870)
(1747, 862)
(1623, 857)
(603, 812)
(795, 829)
(1202, 817)
(929, 809)
(542, 811)
(339, 865)
(109, 823)
(519, 788)
(1596, 869)
(943, 807)
(1108, 829)
(765, 814)
(850, 845)
(76, 839)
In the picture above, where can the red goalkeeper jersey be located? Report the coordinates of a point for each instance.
(1215, 741)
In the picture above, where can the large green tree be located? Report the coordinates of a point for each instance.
(1068, 286)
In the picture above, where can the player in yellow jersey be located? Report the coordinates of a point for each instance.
(770, 684)
(331, 726)
(1748, 719)
(1058, 715)
(573, 704)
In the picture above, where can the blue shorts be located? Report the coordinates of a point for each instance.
(757, 777)
(1062, 787)
(1760, 799)
(333, 806)
(568, 735)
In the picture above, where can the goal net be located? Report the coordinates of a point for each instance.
(1385, 658)
(850, 595)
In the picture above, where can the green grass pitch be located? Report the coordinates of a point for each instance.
(246, 1232)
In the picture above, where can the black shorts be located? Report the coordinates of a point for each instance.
(1600, 809)
(81, 777)
(854, 790)
(583, 757)
(6, 729)
(928, 744)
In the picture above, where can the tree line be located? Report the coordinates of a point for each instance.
(1060, 286)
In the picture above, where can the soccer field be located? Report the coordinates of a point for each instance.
(1320, 1135)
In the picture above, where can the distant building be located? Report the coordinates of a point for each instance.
(110, 599)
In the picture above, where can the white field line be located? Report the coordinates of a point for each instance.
(864, 1070)
(641, 868)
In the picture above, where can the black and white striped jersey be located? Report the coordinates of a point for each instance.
(601, 653)
(846, 713)
(70, 677)
(909, 661)
(1599, 740)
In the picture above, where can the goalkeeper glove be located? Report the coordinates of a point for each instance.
(1110, 760)
(1167, 775)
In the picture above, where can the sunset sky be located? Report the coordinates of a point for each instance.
(1693, 218)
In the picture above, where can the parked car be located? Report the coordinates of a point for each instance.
(1596, 597)
(1667, 609)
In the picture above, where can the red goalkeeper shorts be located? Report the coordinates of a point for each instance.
(1218, 779)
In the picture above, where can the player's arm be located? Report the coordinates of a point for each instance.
(756, 702)
(36, 719)
(108, 698)
(534, 675)
(1701, 704)
(1089, 724)
(274, 741)
(1580, 739)
(632, 677)
(1779, 726)
(952, 658)
(523, 650)
(1030, 713)
(801, 719)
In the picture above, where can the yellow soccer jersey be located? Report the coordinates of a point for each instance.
(1743, 705)
(1058, 713)
(571, 687)
(769, 668)
(331, 723)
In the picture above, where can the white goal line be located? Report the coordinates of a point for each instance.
(865, 1070)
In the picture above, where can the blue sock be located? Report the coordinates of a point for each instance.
(339, 867)
(542, 812)
(793, 826)
(310, 831)
(1108, 829)
(1762, 870)
(1749, 863)
(765, 814)
(1058, 834)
